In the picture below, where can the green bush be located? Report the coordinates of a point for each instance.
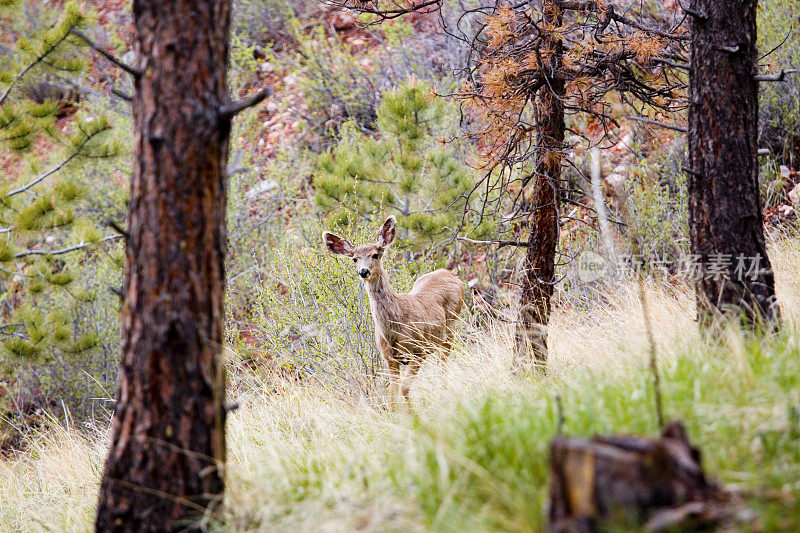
(658, 212)
(779, 114)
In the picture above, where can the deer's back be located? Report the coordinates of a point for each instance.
(425, 315)
(440, 288)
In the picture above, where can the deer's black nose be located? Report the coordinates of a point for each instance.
(364, 273)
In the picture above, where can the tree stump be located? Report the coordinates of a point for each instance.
(631, 481)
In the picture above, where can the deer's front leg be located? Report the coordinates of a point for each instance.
(392, 365)
(411, 371)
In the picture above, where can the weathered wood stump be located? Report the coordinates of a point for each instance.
(631, 481)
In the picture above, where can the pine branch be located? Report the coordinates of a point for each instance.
(55, 169)
(113, 59)
(232, 109)
(68, 249)
(28, 67)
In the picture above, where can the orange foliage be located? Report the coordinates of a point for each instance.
(520, 56)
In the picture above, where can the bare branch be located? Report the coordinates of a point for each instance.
(592, 6)
(691, 171)
(117, 63)
(116, 227)
(693, 13)
(673, 64)
(657, 123)
(780, 76)
(730, 49)
(228, 111)
(122, 95)
(500, 243)
(68, 249)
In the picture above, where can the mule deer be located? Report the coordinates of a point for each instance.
(408, 327)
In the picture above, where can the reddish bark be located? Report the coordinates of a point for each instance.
(725, 215)
(164, 468)
(538, 275)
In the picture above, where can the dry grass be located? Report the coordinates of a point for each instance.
(52, 485)
(306, 460)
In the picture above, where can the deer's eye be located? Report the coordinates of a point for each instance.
(355, 259)
(375, 256)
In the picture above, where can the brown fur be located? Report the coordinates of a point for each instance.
(408, 327)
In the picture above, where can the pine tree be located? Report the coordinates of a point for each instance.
(165, 468)
(42, 221)
(725, 217)
(406, 171)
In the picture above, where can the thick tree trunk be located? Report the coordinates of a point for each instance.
(538, 275)
(725, 216)
(164, 469)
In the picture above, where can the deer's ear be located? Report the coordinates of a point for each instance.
(388, 231)
(337, 245)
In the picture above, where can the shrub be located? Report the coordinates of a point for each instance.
(337, 86)
(779, 114)
(342, 83)
(270, 22)
(658, 205)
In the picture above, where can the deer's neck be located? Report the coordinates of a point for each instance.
(383, 301)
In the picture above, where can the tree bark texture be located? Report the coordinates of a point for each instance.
(538, 274)
(725, 218)
(164, 469)
(610, 482)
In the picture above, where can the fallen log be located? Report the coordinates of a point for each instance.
(634, 482)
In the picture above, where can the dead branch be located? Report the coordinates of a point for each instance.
(228, 111)
(109, 56)
(780, 76)
(657, 123)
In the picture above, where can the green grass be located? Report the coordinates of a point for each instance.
(484, 465)
(472, 453)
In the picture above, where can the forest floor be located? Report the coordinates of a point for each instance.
(471, 454)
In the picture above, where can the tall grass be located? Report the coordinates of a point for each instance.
(472, 453)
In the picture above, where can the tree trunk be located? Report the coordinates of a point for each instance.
(164, 469)
(538, 275)
(725, 218)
